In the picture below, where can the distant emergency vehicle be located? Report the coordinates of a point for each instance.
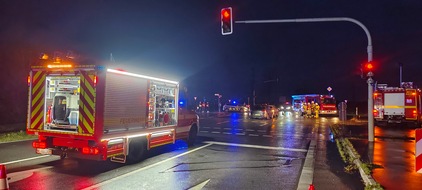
(99, 113)
(397, 104)
(327, 103)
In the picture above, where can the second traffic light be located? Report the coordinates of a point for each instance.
(226, 21)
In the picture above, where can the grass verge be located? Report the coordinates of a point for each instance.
(15, 136)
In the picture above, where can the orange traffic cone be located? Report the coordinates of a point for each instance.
(311, 187)
(4, 185)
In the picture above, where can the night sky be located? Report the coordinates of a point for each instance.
(181, 40)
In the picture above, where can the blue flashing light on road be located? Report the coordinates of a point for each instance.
(181, 102)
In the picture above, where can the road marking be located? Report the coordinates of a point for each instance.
(23, 160)
(216, 132)
(141, 169)
(226, 133)
(267, 136)
(256, 146)
(199, 186)
(307, 174)
(240, 133)
(227, 128)
(263, 124)
(204, 131)
(254, 135)
(206, 127)
(222, 122)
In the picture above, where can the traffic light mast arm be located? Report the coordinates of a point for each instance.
(334, 19)
(370, 81)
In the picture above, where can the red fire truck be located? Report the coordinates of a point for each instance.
(397, 104)
(98, 113)
(327, 103)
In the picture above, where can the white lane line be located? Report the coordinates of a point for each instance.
(222, 122)
(307, 174)
(206, 127)
(256, 146)
(144, 168)
(263, 124)
(204, 131)
(254, 135)
(216, 132)
(227, 133)
(227, 128)
(240, 133)
(23, 160)
(267, 136)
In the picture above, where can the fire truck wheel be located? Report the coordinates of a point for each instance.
(193, 132)
(137, 150)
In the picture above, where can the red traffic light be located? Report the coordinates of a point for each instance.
(369, 66)
(225, 13)
(368, 69)
(226, 21)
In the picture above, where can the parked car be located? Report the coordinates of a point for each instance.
(264, 112)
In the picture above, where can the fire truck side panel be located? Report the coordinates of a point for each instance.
(125, 103)
(394, 104)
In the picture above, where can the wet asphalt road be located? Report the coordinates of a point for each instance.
(232, 152)
(393, 153)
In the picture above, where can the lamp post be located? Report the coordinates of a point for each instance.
(219, 102)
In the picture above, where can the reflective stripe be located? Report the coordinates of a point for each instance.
(37, 100)
(87, 103)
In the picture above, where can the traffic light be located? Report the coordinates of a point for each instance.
(368, 69)
(226, 21)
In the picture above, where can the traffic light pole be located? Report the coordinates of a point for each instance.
(369, 50)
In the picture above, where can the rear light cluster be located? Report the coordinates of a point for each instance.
(90, 150)
(37, 144)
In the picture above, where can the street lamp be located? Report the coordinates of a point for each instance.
(219, 103)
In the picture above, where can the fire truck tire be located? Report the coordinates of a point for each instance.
(137, 150)
(193, 133)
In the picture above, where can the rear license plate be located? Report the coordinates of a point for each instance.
(44, 151)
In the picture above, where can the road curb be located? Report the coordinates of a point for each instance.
(367, 178)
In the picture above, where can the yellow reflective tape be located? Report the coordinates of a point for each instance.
(89, 101)
(88, 127)
(410, 107)
(89, 114)
(35, 111)
(393, 106)
(40, 82)
(89, 87)
(38, 96)
(36, 121)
